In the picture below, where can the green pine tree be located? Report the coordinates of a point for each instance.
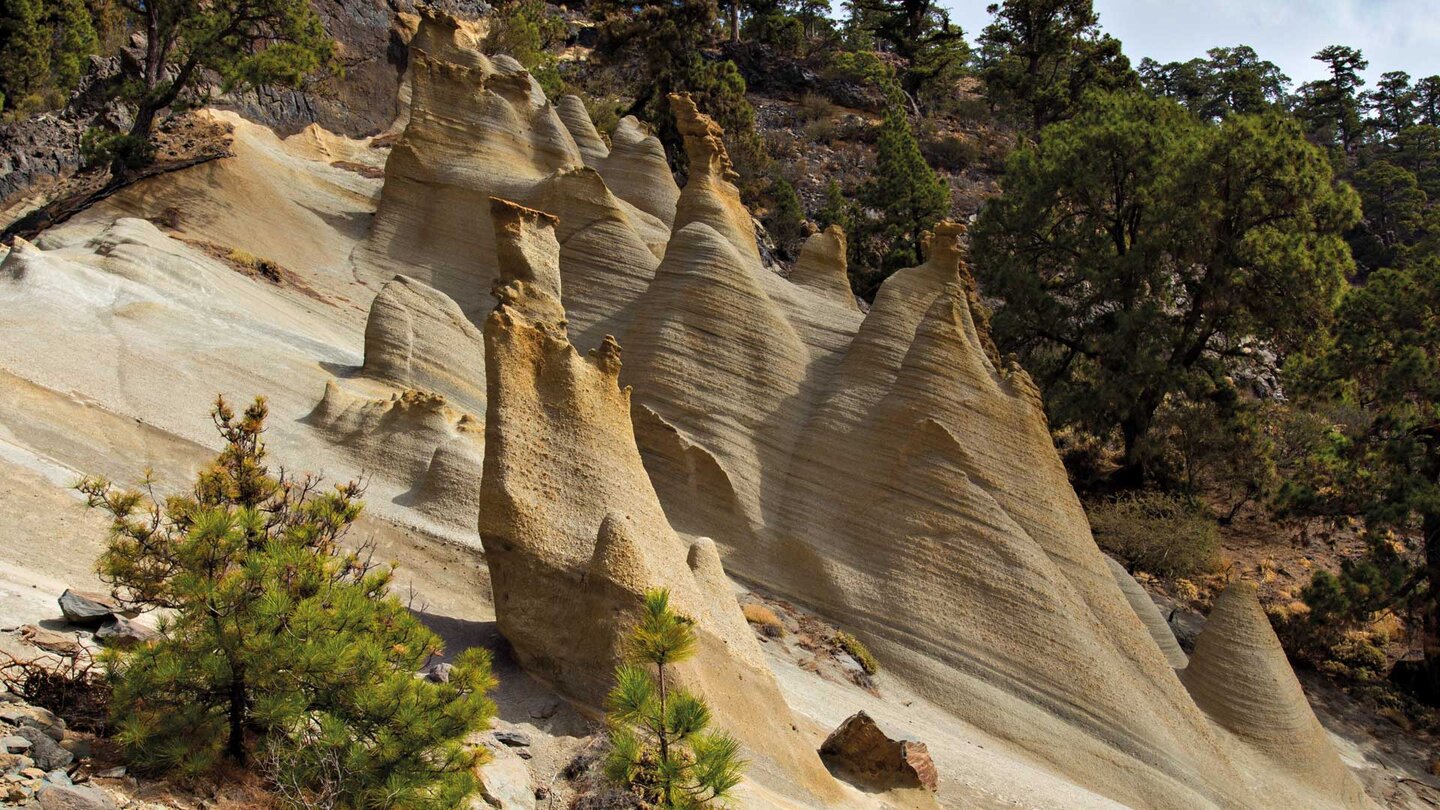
(659, 745)
(277, 640)
(908, 195)
(75, 41)
(24, 50)
(786, 217)
(838, 209)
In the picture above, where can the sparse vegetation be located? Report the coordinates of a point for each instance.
(529, 30)
(1156, 532)
(764, 618)
(660, 748)
(858, 651)
(276, 638)
(250, 263)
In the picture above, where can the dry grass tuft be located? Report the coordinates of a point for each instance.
(765, 619)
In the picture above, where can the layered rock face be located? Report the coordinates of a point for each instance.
(572, 529)
(888, 470)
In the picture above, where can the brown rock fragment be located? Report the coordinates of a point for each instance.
(859, 751)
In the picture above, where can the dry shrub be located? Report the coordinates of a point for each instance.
(249, 262)
(815, 107)
(72, 689)
(765, 619)
(1159, 533)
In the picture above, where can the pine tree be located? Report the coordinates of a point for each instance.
(786, 218)
(1392, 104)
(1427, 101)
(660, 46)
(908, 195)
(1040, 58)
(659, 745)
(1136, 246)
(24, 50)
(75, 41)
(1331, 107)
(920, 33)
(838, 210)
(1381, 457)
(275, 635)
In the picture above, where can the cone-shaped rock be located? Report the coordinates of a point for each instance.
(710, 195)
(574, 533)
(638, 173)
(1240, 677)
(417, 337)
(1149, 614)
(577, 120)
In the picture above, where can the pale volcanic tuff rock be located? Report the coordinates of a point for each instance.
(482, 127)
(1150, 614)
(710, 195)
(415, 437)
(416, 337)
(821, 267)
(888, 470)
(636, 171)
(573, 531)
(1240, 677)
(593, 149)
(478, 127)
(717, 360)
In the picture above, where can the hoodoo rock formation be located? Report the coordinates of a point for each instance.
(884, 472)
(888, 470)
(572, 529)
(1240, 677)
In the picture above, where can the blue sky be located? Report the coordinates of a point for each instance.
(1394, 34)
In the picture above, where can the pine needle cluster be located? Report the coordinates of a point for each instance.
(274, 638)
(659, 745)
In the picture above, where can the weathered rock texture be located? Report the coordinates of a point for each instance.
(573, 531)
(1149, 613)
(859, 750)
(888, 470)
(1240, 677)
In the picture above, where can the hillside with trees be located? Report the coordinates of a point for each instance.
(1223, 286)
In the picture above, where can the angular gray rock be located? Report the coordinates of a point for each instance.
(73, 797)
(122, 633)
(47, 753)
(87, 608)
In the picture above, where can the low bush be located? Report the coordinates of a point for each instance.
(1156, 532)
(951, 152)
(250, 263)
(858, 651)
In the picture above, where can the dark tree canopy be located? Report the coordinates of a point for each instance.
(920, 33)
(1137, 249)
(1040, 57)
(1382, 460)
(1231, 80)
(1331, 108)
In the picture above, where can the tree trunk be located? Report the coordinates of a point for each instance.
(1133, 430)
(235, 745)
(734, 20)
(1430, 638)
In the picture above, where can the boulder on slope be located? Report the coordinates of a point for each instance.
(859, 750)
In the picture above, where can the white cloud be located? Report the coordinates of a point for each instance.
(1394, 34)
